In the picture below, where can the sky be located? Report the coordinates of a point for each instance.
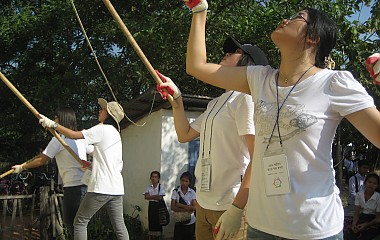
(363, 15)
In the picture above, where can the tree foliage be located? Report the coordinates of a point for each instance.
(44, 53)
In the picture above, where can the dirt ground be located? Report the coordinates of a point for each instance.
(19, 230)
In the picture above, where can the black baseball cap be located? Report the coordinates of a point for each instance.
(258, 56)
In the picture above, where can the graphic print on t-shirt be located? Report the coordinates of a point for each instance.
(292, 120)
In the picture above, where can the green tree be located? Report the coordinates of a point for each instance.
(43, 52)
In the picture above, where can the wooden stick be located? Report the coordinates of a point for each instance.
(136, 47)
(6, 173)
(35, 112)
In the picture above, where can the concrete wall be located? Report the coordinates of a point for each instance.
(141, 155)
(153, 146)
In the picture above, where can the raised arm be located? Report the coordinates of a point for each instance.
(231, 78)
(185, 133)
(46, 122)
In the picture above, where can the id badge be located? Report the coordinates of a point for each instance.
(86, 176)
(276, 174)
(206, 175)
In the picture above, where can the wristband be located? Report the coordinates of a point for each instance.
(199, 11)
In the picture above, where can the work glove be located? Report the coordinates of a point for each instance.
(86, 164)
(373, 66)
(169, 85)
(196, 5)
(229, 223)
(17, 168)
(46, 122)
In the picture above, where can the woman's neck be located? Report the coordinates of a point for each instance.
(184, 189)
(368, 194)
(292, 71)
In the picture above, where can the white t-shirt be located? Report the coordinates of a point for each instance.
(308, 121)
(188, 198)
(107, 163)
(222, 128)
(372, 206)
(68, 167)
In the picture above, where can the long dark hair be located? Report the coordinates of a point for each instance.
(321, 28)
(67, 118)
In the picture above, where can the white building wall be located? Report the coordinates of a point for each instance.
(141, 155)
(153, 147)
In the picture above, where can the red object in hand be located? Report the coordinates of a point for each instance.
(216, 230)
(160, 89)
(370, 65)
(85, 164)
(192, 3)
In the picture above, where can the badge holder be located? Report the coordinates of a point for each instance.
(276, 173)
(206, 175)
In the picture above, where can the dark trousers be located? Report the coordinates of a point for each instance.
(72, 197)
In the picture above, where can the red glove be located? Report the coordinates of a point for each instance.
(373, 66)
(85, 164)
(169, 85)
(196, 5)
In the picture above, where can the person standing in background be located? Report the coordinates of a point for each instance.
(153, 193)
(356, 182)
(184, 200)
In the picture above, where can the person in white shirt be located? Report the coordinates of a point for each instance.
(184, 201)
(153, 193)
(68, 167)
(103, 178)
(366, 221)
(292, 192)
(226, 132)
(356, 182)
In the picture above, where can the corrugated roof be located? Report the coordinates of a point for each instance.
(151, 101)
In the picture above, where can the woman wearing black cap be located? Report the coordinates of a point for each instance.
(104, 180)
(298, 107)
(226, 132)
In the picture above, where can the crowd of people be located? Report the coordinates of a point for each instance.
(265, 144)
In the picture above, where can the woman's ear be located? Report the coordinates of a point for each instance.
(313, 41)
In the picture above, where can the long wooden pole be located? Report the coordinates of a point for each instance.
(35, 113)
(136, 47)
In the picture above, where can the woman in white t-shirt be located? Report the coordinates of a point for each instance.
(226, 132)
(297, 110)
(366, 221)
(68, 167)
(103, 178)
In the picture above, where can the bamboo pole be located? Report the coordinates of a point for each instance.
(136, 47)
(35, 113)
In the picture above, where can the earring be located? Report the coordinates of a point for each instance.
(329, 63)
